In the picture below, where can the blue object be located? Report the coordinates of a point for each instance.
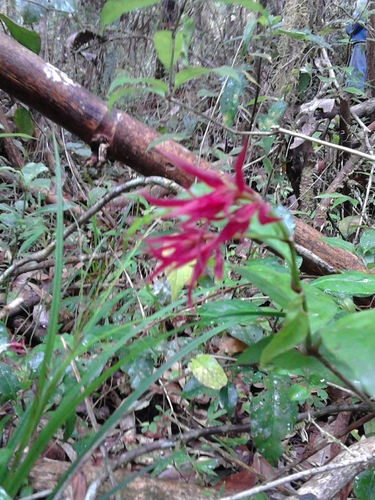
(356, 31)
(358, 77)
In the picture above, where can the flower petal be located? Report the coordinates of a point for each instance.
(240, 180)
(210, 178)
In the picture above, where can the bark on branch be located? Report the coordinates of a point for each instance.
(48, 90)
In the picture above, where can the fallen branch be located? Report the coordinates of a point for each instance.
(118, 136)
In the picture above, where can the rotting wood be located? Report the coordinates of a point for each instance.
(46, 474)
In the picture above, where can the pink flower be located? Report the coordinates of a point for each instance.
(231, 200)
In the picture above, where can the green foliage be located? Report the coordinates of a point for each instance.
(337, 340)
(364, 485)
(168, 48)
(26, 37)
(113, 9)
(208, 371)
(289, 334)
(231, 98)
(273, 415)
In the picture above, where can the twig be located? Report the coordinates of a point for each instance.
(128, 186)
(294, 477)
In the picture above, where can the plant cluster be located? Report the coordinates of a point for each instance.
(191, 327)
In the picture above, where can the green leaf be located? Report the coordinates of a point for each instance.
(23, 121)
(114, 9)
(273, 416)
(187, 74)
(272, 280)
(339, 243)
(229, 398)
(9, 384)
(339, 199)
(293, 332)
(188, 28)
(122, 80)
(27, 38)
(299, 393)
(32, 170)
(208, 372)
(351, 283)
(178, 278)
(252, 355)
(350, 344)
(225, 71)
(367, 241)
(349, 225)
(364, 485)
(163, 43)
(265, 122)
(320, 306)
(237, 310)
(230, 98)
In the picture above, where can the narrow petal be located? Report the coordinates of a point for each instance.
(166, 202)
(240, 180)
(210, 178)
(263, 215)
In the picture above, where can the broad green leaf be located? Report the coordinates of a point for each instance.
(364, 485)
(229, 398)
(32, 170)
(293, 332)
(27, 38)
(248, 334)
(163, 44)
(349, 225)
(252, 355)
(339, 199)
(225, 71)
(352, 283)
(122, 80)
(116, 96)
(320, 306)
(273, 416)
(299, 393)
(350, 342)
(113, 9)
(235, 309)
(276, 283)
(230, 98)
(305, 35)
(272, 235)
(367, 241)
(300, 364)
(23, 121)
(208, 372)
(265, 122)
(178, 278)
(177, 137)
(187, 74)
(339, 243)
(9, 384)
